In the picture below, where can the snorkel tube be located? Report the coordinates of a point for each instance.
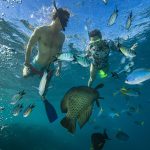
(54, 3)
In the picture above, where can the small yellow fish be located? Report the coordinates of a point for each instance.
(28, 110)
(139, 123)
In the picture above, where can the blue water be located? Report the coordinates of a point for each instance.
(35, 132)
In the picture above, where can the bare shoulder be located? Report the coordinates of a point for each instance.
(41, 28)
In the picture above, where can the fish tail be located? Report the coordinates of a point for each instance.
(101, 85)
(23, 92)
(106, 135)
(114, 94)
(68, 124)
(116, 9)
(32, 106)
(75, 58)
(115, 75)
(131, 14)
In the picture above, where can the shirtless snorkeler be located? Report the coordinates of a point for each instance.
(50, 40)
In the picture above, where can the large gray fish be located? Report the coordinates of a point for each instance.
(77, 103)
(83, 61)
(129, 21)
(28, 110)
(17, 97)
(113, 17)
(17, 109)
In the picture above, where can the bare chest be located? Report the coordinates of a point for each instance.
(50, 41)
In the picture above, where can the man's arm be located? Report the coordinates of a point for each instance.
(60, 50)
(112, 45)
(33, 39)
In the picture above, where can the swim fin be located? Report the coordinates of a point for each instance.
(50, 111)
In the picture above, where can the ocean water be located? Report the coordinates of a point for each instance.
(35, 132)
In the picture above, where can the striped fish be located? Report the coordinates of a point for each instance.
(113, 17)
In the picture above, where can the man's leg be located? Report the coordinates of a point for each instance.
(93, 71)
(49, 76)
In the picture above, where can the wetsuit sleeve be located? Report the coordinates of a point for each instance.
(112, 46)
(33, 39)
(106, 46)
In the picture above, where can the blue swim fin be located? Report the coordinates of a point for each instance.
(50, 111)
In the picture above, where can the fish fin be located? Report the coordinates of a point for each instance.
(116, 9)
(100, 97)
(75, 58)
(84, 116)
(115, 93)
(55, 58)
(101, 85)
(97, 103)
(142, 123)
(50, 110)
(32, 106)
(21, 105)
(69, 124)
(115, 75)
(64, 106)
(106, 135)
(140, 83)
(23, 92)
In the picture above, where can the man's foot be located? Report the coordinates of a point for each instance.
(26, 71)
(90, 82)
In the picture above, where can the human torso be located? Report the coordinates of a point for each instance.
(48, 45)
(100, 53)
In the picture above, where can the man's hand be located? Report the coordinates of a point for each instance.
(26, 71)
(58, 70)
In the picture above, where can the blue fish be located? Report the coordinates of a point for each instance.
(138, 76)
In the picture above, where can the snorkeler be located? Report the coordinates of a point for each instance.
(98, 50)
(50, 40)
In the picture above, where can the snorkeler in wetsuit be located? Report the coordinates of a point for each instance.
(50, 40)
(98, 49)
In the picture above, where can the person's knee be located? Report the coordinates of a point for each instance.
(25, 75)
